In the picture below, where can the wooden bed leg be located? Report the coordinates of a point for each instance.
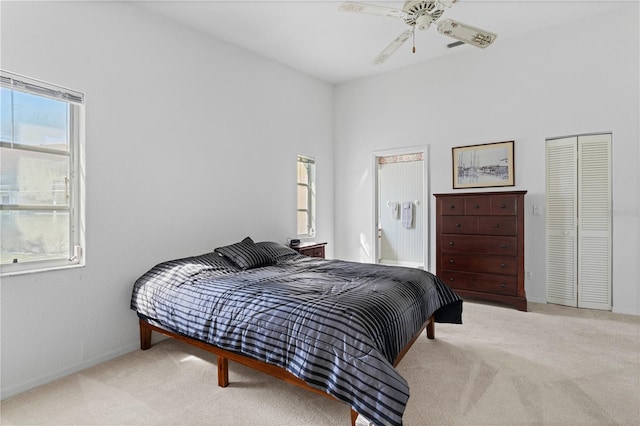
(431, 329)
(223, 372)
(354, 416)
(145, 336)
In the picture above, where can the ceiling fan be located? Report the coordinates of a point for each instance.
(420, 15)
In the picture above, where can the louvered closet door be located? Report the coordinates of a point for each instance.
(579, 222)
(594, 226)
(562, 215)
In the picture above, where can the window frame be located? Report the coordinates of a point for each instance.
(310, 191)
(75, 206)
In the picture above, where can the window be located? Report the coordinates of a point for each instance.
(40, 181)
(306, 196)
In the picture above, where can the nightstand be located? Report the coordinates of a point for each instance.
(311, 249)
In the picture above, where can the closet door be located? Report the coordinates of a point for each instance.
(579, 221)
(594, 226)
(562, 221)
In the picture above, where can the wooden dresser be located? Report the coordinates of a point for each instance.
(480, 245)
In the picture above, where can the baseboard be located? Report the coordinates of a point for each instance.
(43, 380)
(625, 311)
(614, 309)
(535, 300)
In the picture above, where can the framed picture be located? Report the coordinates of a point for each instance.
(481, 166)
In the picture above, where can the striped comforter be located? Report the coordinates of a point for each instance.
(336, 325)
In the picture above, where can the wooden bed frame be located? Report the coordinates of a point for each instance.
(278, 372)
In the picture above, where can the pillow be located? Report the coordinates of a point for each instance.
(246, 254)
(277, 251)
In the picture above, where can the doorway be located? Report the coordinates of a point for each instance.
(401, 207)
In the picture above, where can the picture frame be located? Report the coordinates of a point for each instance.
(484, 165)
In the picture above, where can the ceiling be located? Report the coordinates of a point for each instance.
(316, 38)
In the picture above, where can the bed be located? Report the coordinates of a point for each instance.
(333, 327)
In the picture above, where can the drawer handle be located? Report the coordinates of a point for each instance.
(477, 206)
(503, 285)
(503, 265)
(452, 279)
(458, 225)
(451, 243)
(452, 206)
(503, 245)
(497, 225)
(452, 261)
(504, 206)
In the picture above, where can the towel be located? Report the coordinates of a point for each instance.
(407, 214)
(395, 209)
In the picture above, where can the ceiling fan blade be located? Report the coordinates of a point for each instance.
(372, 9)
(467, 33)
(392, 47)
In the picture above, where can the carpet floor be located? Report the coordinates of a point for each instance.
(552, 365)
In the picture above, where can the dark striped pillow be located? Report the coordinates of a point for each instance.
(246, 254)
(277, 251)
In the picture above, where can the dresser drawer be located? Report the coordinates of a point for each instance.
(503, 246)
(475, 263)
(451, 206)
(317, 252)
(312, 250)
(459, 225)
(504, 205)
(477, 205)
(485, 283)
(497, 225)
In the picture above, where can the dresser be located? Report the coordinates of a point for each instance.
(311, 249)
(480, 245)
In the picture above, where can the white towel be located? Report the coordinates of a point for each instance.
(407, 214)
(395, 209)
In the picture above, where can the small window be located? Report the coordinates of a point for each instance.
(306, 196)
(40, 185)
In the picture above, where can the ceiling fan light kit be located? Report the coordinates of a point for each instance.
(423, 22)
(420, 15)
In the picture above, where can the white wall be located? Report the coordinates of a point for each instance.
(578, 78)
(190, 144)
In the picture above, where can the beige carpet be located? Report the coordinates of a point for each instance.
(550, 366)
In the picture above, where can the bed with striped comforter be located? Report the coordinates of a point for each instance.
(336, 325)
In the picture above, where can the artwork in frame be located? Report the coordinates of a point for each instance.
(482, 166)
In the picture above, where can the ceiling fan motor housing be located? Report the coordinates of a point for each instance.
(422, 13)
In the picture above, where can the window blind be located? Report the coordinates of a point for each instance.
(40, 88)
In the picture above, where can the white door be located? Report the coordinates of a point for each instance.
(400, 209)
(562, 221)
(594, 222)
(578, 221)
